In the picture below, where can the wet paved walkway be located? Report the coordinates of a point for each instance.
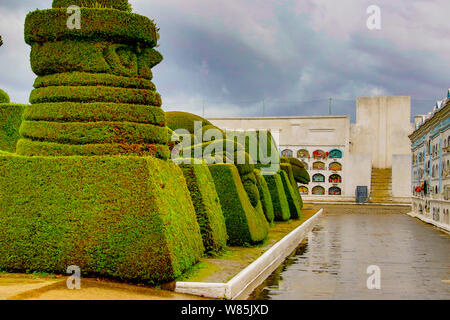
(414, 259)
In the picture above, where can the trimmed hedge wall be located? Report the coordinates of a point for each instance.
(294, 205)
(28, 147)
(207, 206)
(10, 121)
(245, 224)
(127, 218)
(279, 198)
(266, 199)
(4, 98)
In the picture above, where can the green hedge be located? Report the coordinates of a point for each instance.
(184, 120)
(94, 112)
(10, 121)
(266, 199)
(28, 147)
(295, 207)
(245, 224)
(95, 94)
(300, 173)
(94, 132)
(126, 218)
(279, 199)
(4, 98)
(122, 5)
(107, 24)
(92, 79)
(207, 206)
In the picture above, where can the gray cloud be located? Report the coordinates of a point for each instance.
(292, 54)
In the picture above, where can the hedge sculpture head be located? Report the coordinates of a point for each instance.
(93, 94)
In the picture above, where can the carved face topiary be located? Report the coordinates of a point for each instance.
(93, 94)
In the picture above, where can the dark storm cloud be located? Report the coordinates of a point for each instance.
(294, 55)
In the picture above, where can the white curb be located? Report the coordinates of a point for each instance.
(253, 275)
(442, 226)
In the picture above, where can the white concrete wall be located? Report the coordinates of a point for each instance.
(360, 167)
(382, 128)
(401, 177)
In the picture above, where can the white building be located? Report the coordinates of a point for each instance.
(430, 145)
(341, 156)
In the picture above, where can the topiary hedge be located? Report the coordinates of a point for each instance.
(96, 23)
(184, 120)
(300, 173)
(207, 206)
(28, 147)
(245, 224)
(4, 98)
(293, 202)
(92, 79)
(266, 199)
(94, 132)
(115, 4)
(10, 121)
(95, 112)
(129, 218)
(95, 94)
(279, 199)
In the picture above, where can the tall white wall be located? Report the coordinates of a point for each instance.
(382, 128)
(360, 167)
(401, 177)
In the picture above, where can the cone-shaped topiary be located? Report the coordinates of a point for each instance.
(245, 224)
(264, 193)
(279, 198)
(10, 121)
(295, 207)
(207, 206)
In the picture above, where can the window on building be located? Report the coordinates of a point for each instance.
(318, 190)
(287, 153)
(303, 154)
(318, 165)
(335, 178)
(334, 191)
(303, 190)
(319, 154)
(318, 178)
(335, 154)
(335, 166)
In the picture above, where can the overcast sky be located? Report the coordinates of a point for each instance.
(286, 57)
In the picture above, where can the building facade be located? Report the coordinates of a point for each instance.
(430, 165)
(340, 155)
